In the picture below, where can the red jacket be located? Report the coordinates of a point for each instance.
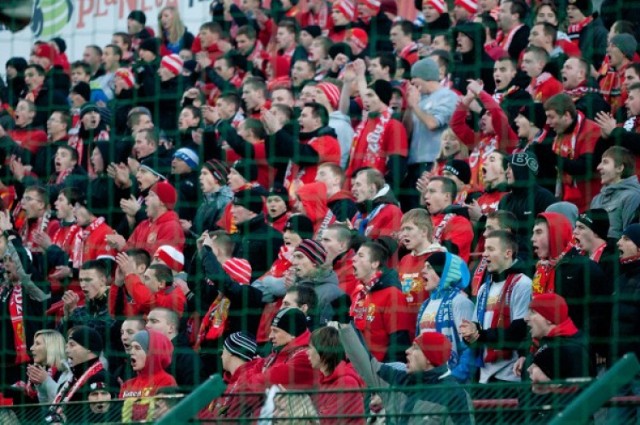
(456, 230)
(328, 149)
(313, 197)
(482, 144)
(149, 380)
(151, 235)
(544, 87)
(337, 403)
(394, 142)
(343, 267)
(95, 245)
(29, 138)
(409, 272)
(575, 187)
(231, 404)
(289, 366)
(143, 300)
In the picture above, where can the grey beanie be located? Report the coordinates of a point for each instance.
(626, 43)
(426, 69)
(142, 338)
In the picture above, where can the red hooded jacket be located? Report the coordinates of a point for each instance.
(344, 377)
(152, 234)
(150, 379)
(143, 300)
(289, 366)
(313, 197)
(560, 237)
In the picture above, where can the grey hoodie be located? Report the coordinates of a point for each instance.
(342, 125)
(621, 200)
(325, 284)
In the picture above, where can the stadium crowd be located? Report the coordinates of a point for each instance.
(321, 196)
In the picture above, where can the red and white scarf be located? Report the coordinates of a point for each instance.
(358, 308)
(582, 89)
(81, 237)
(17, 322)
(505, 41)
(574, 31)
(68, 389)
(27, 235)
(372, 155)
(438, 233)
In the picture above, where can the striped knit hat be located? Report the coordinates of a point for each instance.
(291, 320)
(371, 4)
(189, 156)
(173, 63)
(241, 345)
(173, 258)
(218, 169)
(470, 6)
(438, 5)
(127, 76)
(238, 269)
(347, 8)
(332, 92)
(313, 251)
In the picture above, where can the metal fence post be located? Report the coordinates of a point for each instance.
(602, 390)
(191, 404)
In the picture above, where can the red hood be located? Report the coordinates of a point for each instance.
(159, 353)
(167, 217)
(343, 194)
(560, 233)
(314, 199)
(343, 369)
(300, 341)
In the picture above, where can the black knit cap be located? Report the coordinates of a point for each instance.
(597, 220)
(107, 150)
(218, 169)
(62, 45)
(534, 113)
(460, 169)
(383, 90)
(249, 199)
(151, 44)
(138, 15)
(241, 345)
(280, 192)
(313, 30)
(291, 320)
(247, 168)
(301, 225)
(88, 338)
(437, 261)
(83, 89)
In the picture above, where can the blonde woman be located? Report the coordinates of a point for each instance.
(49, 369)
(172, 32)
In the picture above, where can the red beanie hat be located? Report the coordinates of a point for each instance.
(359, 37)
(435, 347)
(44, 50)
(173, 258)
(166, 193)
(332, 92)
(550, 306)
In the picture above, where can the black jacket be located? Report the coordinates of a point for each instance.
(626, 311)
(592, 102)
(167, 104)
(475, 64)
(587, 291)
(185, 365)
(258, 243)
(188, 188)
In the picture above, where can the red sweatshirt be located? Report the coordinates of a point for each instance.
(150, 379)
(152, 234)
(344, 377)
(143, 300)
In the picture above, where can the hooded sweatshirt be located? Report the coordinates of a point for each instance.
(150, 379)
(560, 236)
(341, 123)
(621, 200)
(338, 402)
(445, 310)
(313, 197)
